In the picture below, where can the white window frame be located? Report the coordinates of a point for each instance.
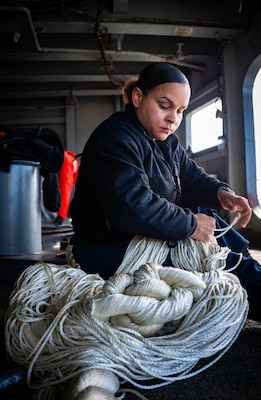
(249, 132)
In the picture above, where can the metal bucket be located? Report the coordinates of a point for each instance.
(20, 209)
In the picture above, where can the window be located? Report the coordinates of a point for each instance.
(252, 122)
(206, 126)
(257, 129)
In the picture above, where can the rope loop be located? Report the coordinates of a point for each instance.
(147, 300)
(199, 256)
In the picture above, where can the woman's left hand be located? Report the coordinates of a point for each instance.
(232, 202)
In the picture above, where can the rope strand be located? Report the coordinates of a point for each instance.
(226, 229)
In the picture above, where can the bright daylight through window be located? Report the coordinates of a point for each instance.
(257, 127)
(206, 126)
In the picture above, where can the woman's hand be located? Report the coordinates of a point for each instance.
(232, 202)
(205, 228)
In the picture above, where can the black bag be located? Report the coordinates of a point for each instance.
(40, 144)
(51, 192)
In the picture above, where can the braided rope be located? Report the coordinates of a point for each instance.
(145, 322)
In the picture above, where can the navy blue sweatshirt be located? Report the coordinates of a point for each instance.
(129, 184)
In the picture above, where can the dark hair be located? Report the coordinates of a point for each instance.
(153, 75)
(158, 73)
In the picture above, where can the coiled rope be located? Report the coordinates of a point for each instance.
(146, 322)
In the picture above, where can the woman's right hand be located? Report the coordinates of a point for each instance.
(205, 228)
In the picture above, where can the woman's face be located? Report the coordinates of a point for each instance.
(160, 111)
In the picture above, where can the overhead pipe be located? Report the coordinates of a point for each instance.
(27, 12)
(149, 57)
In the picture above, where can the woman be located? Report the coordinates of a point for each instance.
(136, 179)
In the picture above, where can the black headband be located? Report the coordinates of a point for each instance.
(158, 73)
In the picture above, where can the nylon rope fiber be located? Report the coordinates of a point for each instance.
(148, 325)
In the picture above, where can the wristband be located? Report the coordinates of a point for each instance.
(227, 189)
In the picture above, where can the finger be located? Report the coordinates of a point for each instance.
(245, 218)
